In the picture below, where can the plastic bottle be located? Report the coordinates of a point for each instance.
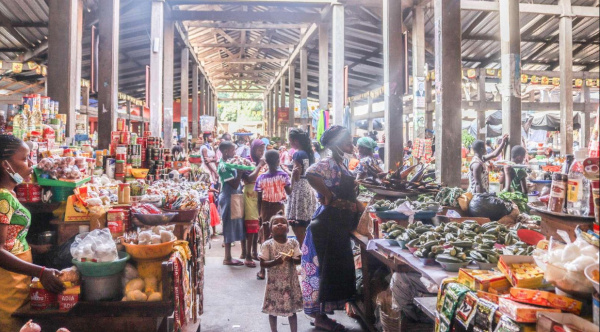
(578, 187)
(19, 123)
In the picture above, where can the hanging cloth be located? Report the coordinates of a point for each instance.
(320, 125)
(326, 116)
(347, 117)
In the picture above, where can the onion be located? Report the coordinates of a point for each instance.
(30, 326)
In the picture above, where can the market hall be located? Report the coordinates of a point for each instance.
(310, 180)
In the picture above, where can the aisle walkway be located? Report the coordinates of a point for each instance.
(233, 298)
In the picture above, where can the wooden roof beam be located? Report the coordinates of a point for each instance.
(8, 25)
(247, 45)
(246, 60)
(238, 16)
(287, 3)
(245, 26)
(26, 24)
(531, 8)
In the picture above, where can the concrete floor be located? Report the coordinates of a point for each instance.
(233, 298)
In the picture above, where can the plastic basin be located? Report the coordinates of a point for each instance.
(149, 251)
(102, 269)
(392, 242)
(153, 219)
(588, 274)
(485, 266)
(453, 267)
(139, 173)
(184, 215)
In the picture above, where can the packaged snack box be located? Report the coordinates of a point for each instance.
(482, 280)
(545, 299)
(521, 271)
(521, 313)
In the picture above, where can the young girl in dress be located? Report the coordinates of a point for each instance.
(280, 255)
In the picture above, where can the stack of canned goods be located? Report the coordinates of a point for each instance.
(134, 155)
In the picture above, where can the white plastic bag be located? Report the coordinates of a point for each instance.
(96, 245)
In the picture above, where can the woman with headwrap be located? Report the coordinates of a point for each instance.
(369, 165)
(251, 215)
(328, 279)
(302, 202)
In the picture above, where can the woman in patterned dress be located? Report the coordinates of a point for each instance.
(16, 268)
(328, 276)
(302, 202)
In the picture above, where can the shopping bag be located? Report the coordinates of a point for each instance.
(237, 206)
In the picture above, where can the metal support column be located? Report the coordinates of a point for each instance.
(337, 63)
(277, 100)
(565, 45)
(481, 126)
(203, 97)
(584, 130)
(394, 62)
(448, 91)
(156, 67)
(194, 101)
(282, 125)
(185, 85)
(323, 66)
(292, 96)
(510, 43)
(108, 73)
(64, 59)
(168, 58)
(304, 112)
(419, 73)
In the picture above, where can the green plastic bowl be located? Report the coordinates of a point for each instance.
(102, 269)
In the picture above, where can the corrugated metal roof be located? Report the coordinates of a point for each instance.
(480, 45)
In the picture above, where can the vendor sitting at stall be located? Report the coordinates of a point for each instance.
(479, 181)
(16, 268)
(516, 177)
(369, 165)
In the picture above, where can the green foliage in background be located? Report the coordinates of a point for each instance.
(467, 139)
(239, 111)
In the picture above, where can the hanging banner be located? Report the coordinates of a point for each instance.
(17, 67)
(420, 97)
(304, 108)
(207, 124)
(283, 113)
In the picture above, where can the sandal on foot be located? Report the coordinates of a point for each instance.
(233, 262)
(250, 264)
(259, 276)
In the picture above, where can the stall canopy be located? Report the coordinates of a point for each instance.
(550, 121)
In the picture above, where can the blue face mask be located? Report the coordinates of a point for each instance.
(14, 175)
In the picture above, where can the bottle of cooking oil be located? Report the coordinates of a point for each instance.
(36, 121)
(20, 123)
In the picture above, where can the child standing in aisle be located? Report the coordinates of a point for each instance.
(283, 295)
(272, 188)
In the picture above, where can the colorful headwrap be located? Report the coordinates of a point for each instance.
(367, 142)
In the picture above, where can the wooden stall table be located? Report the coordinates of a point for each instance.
(397, 260)
(114, 316)
(553, 221)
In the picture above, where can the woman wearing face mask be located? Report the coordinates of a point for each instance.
(16, 268)
(328, 285)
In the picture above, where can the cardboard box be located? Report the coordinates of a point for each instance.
(521, 313)
(545, 299)
(550, 322)
(488, 296)
(482, 279)
(75, 210)
(521, 271)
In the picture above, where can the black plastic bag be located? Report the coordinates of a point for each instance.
(60, 257)
(489, 205)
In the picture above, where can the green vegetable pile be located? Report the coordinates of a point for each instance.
(516, 197)
(459, 242)
(449, 196)
(385, 205)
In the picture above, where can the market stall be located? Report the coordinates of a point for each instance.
(411, 247)
(129, 228)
